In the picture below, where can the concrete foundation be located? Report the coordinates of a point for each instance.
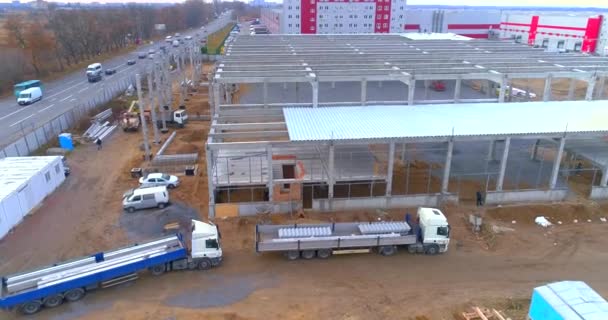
(598, 193)
(526, 196)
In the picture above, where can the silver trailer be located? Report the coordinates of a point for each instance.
(430, 236)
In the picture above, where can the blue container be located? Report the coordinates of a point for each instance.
(66, 142)
(567, 300)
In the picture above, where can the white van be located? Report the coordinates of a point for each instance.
(29, 96)
(94, 72)
(175, 43)
(144, 198)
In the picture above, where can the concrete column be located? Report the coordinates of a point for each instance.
(403, 152)
(488, 88)
(284, 85)
(503, 165)
(229, 92)
(330, 172)
(265, 94)
(535, 150)
(457, 90)
(142, 119)
(333, 84)
(315, 94)
(503, 90)
(380, 84)
(151, 93)
(604, 180)
(547, 93)
(391, 164)
(211, 187)
(411, 88)
(426, 89)
(216, 97)
(571, 89)
(600, 88)
(590, 88)
(270, 184)
(363, 91)
(557, 163)
(446, 168)
(492, 151)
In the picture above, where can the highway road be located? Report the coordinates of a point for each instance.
(73, 90)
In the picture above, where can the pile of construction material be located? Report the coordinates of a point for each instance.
(100, 127)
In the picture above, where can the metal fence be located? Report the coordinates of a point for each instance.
(30, 137)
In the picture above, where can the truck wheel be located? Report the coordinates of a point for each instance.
(411, 249)
(205, 264)
(158, 269)
(130, 209)
(161, 205)
(388, 250)
(30, 307)
(324, 253)
(432, 249)
(170, 186)
(292, 255)
(308, 254)
(53, 301)
(74, 294)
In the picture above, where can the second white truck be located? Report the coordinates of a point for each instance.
(430, 235)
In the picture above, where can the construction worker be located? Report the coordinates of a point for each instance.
(479, 197)
(98, 143)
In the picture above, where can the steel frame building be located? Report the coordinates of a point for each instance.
(253, 144)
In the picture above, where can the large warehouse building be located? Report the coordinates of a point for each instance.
(350, 130)
(581, 31)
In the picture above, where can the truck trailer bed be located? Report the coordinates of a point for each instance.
(88, 271)
(333, 236)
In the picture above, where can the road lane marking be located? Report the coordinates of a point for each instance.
(83, 89)
(46, 108)
(18, 122)
(66, 98)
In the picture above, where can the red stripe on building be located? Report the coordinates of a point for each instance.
(592, 33)
(308, 17)
(475, 35)
(473, 26)
(515, 24)
(411, 27)
(533, 29)
(382, 24)
(560, 27)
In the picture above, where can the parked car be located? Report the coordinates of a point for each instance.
(151, 56)
(175, 43)
(144, 198)
(159, 179)
(142, 55)
(188, 37)
(151, 51)
(110, 71)
(130, 62)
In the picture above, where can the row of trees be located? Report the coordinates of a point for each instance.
(40, 43)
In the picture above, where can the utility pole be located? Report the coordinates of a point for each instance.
(142, 118)
(151, 93)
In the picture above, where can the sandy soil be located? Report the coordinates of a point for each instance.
(497, 268)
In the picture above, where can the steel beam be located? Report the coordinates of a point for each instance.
(457, 88)
(590, 88)
(210, 186)
(330, 172)
(270, 184)
(411, 88)
(557, 163)
(547, 92)
(363, 91)
(250, 134)
(250, 126)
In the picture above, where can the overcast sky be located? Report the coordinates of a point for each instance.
(551, 3)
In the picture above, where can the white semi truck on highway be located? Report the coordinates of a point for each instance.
(430, 235)
(198, 248)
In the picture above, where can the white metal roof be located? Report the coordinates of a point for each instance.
(17, 171)
(434, 36)
(448, 120)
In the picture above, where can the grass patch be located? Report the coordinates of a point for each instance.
(215, 41)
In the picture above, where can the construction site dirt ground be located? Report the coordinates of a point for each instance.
(497, 268)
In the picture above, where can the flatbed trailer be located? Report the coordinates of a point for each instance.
(430, 236)
(69, 281)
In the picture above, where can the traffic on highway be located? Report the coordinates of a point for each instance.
(62, 95)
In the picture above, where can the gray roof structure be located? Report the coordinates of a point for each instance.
(445, 121)
(305, 58)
